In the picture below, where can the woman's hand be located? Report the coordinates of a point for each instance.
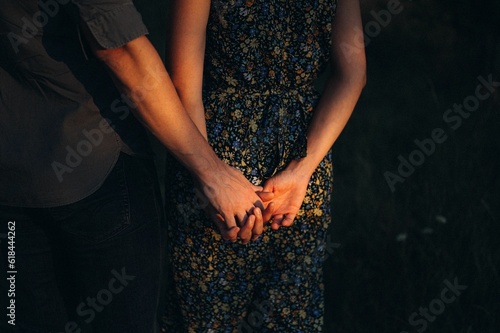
(289, 188)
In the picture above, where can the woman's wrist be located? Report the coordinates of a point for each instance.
(302, 168)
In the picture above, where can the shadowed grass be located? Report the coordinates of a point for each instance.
(375, 282)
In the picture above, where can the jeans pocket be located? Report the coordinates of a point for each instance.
(101, 215)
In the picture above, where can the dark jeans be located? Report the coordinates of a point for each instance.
(92, 266)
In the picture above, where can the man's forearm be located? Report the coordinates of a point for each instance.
(139, 71)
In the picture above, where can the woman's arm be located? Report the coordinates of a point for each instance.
(186, 30)
(342, 90)
(186, 37)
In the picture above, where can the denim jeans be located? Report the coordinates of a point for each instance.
(92, 266)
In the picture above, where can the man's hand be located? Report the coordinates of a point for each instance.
(234, 206)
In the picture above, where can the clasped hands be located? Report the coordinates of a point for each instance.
(241, 209)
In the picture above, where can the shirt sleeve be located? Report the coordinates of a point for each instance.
(113, 23)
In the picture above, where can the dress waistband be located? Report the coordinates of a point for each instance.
(305, 88)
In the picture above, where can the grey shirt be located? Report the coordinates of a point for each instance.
(63, 123)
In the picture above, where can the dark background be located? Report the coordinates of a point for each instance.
(390, 252)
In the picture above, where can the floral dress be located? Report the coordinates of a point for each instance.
(262, 58)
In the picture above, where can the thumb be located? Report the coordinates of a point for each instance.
(257, 188)
(266, 196)
(268, 185)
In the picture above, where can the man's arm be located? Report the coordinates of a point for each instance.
(140, 73)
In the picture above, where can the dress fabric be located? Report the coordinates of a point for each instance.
(262, 58)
